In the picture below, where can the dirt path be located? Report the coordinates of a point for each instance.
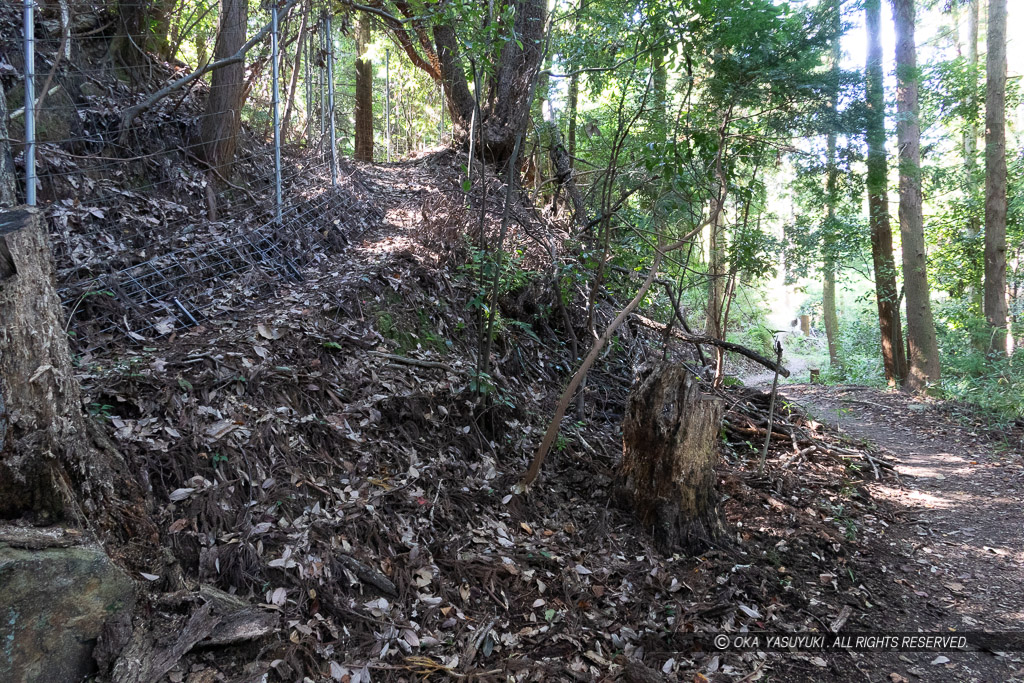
(955, 557)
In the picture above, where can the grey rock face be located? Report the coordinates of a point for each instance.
(53, 603)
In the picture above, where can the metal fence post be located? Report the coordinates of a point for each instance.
(387, 102)
(276, 102)
(330, 103)
(30, 103)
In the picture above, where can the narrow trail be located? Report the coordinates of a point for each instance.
(955, 558)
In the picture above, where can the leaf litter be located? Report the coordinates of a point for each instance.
(320, 454)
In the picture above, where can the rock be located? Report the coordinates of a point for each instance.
(54, 603)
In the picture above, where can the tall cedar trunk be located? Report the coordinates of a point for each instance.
(828, 295)
(970, 151)
(921, 339)
(50, 469)
(970, 142)
(505, 114)
(716, 263)
(570, 135)
(995, 177)
(8, 195)
(670, 449)
(227, 90)
(831, 319)
(660, 88)
(364, 91)
(893, 354)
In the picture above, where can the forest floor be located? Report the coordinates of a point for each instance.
(317, 450)
(954, 561)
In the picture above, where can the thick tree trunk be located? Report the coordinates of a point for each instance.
(364, 92)
(670, 449)
(893, 355)
(505, 112)
(995, 178)
(49, 467)
(227, 90)
(921, 339)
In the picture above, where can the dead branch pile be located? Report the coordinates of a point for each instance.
(796, 437)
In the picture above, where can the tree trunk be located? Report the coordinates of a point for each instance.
(970, 152)
(670, 449)
(300, 50)
(505, 115)
(227, 90)
(142, 27)
(921, 340)
(893, 355)
(828, 292)
(8, 195)
(49, 467)
(716, 266)
(995, 178)
(364, 92)
(570, 133)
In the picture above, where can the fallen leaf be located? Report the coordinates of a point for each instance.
(268, 332)
(181, 494)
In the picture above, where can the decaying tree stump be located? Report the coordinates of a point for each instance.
(670, 449)
(50, 468)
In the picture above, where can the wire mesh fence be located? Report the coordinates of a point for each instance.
(149, 239)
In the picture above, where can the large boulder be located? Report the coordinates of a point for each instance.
(56, 592)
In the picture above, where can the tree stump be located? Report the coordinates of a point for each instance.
(670, 449)
(50, 468)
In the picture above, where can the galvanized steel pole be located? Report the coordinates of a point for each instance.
(276, 103)
(330, 104)
(30, 103)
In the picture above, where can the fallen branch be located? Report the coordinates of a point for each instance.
(595, 351)
(132, 113)
(728, 346)
(411, 361)
(577, 378)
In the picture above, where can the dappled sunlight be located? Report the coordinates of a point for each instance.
(922, 498)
